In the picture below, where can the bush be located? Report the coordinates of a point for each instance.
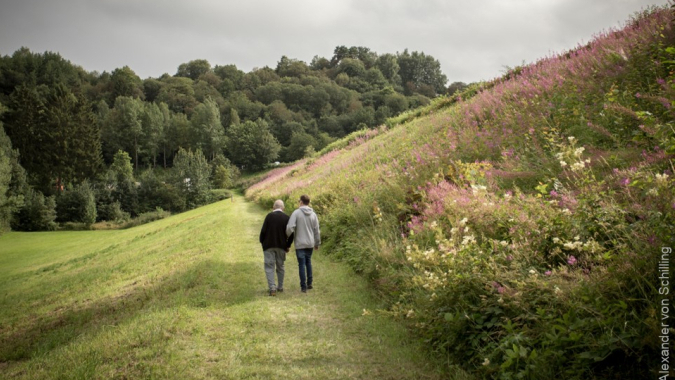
(146, 217)
(154, 193)
(77, 204)
(220, 194)
(113, 212)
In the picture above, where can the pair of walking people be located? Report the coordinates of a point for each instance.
(278, 232)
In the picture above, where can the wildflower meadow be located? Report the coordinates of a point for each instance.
(517, 227)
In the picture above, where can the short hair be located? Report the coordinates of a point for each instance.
(278, 204)
(304, 199)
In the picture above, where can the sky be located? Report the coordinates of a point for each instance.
(473, 40)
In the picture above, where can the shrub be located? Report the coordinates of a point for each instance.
(146, 217)
(77, 204)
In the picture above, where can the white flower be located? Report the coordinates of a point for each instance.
(486, 361)
(577, 166)
(532, 271)
(559, 156)
(503, 243)
(463, 221)
(557, 290)
(661, 178)
(365, 312)
(556, 240)
(578, 151)
(563, 163)
(653, 192)
(571, 138)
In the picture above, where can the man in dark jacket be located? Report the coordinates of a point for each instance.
(275, 244)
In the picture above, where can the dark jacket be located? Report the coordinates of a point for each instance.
(273, 232)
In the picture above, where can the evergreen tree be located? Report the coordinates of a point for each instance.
(56, 134)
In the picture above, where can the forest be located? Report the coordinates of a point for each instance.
(79, 147)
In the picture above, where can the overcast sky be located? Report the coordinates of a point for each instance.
(472, 39)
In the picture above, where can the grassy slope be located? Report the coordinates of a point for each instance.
(185, 298)
(490, 164)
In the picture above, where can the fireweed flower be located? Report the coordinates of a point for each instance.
(571, 260)
(548, 273)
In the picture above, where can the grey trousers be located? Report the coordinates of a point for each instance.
(274, 257)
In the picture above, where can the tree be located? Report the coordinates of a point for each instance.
(291, 67)
(456, 87)
(300, 142)
(178, 94)
(124, 129)
(77, 204)
(223, 173)
(37, 214)
(125, 82)
(191, 174)
(251, 144)
(152, 123)
(56, 134)
(389, 67)
(120, 179)
(418, 69)
(208, 131)
(194, 69)
(7, 203)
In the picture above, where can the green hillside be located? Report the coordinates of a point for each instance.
(518, 227)
(185, 298)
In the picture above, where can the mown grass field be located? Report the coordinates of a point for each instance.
(185, 298)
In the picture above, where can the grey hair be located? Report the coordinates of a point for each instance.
(278, 204)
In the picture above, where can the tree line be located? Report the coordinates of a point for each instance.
(66, 130)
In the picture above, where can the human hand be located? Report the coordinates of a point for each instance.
(316, 247)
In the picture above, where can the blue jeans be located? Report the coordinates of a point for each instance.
(305, 261)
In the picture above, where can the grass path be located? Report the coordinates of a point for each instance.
(185, 298)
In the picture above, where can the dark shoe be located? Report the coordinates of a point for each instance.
(310, 287)
(273, 293)
(303, 290)
(280, 290)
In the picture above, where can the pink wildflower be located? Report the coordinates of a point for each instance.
(571, 260)
(625, 181)
(548, 273)
(510, 257)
